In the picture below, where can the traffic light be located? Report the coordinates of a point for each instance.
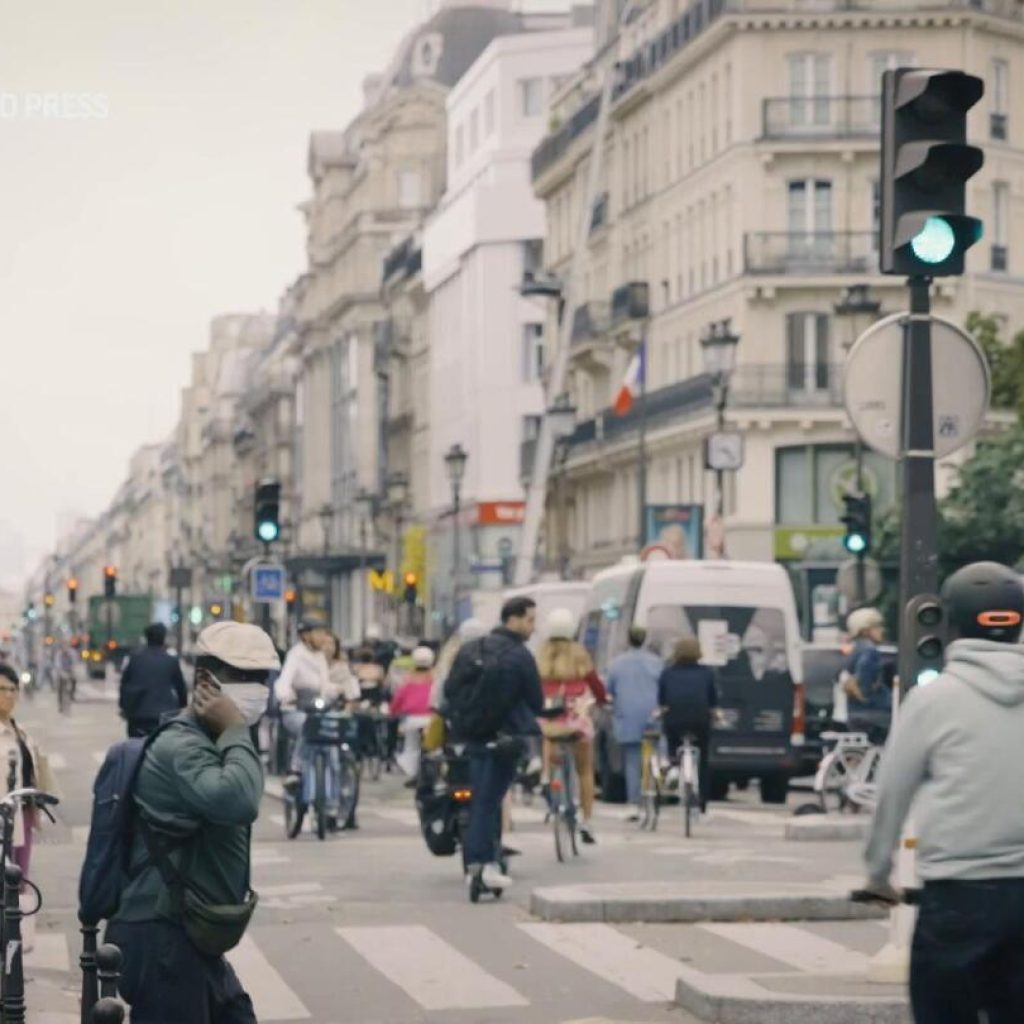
(72, 589)
(926, 162)
(49, 600)
(110, 581)
(216, 610)
(290, 599)
(856, 518)
(268, 511)
(924, 633)
(411, 588)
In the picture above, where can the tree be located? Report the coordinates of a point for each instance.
(1006, 361)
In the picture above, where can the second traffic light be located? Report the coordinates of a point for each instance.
(923, 641)
(411, 590)
(110, 581)
(72, 589)
(926, 161)
(856, 518)
(268, 511)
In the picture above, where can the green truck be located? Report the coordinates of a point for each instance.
(115, 627)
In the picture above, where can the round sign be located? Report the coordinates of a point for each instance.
(873, 386)
(655, 553)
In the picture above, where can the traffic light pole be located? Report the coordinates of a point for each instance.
(919, 540)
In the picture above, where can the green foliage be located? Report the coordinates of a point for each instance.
(1006, 361)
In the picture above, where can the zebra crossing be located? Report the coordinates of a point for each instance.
(422, 969)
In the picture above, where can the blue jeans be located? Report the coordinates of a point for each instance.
(490, 774)
(631, 769)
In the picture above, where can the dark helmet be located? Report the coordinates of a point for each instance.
(985, 601)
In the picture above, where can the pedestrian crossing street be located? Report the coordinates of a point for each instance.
(424, 970)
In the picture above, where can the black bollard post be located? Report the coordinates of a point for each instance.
(14, 976)
(107, 1011)
(108, 969)
(87, 961)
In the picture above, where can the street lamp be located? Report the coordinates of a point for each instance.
(398, 497)
(455, 464)
(326, 514)
(718, 346)
(562, 416)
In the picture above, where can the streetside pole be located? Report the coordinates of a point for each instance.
(641, 446)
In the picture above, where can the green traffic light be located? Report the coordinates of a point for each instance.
(926, 676)
(856, 543)
(935, 242)
(268, 531)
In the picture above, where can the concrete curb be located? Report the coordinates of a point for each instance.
(813, 828)
(731, 1000)
(675, 903)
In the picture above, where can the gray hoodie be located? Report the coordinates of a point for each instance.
(957, 754)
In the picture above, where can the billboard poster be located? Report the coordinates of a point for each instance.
(677, 528)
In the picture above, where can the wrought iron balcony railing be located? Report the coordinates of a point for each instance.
(821, 117)
(817, 252)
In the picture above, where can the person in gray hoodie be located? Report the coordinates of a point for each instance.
(957, 756)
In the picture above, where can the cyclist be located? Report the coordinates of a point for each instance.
(956, 755)
(868, 698)
(411, 709)
(687, 696)
(569, 680)
(304, 677)
(343, 682)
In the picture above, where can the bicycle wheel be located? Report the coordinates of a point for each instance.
(348, 790)
(320, 793)
(840, 773)
(689, 799)
(294, 815)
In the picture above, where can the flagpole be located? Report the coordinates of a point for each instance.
(641, 447)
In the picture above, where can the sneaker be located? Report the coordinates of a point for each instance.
(672, 778)
(494, 878)
(632, 818)
(510, 851)
(534, 767)
(587, 834)
(291, 782)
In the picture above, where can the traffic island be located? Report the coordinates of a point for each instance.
(816, 828)
(682, 903)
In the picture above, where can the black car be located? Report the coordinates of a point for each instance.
(822, 665)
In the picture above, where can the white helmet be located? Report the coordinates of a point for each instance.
(858, 622)
(561, 624)
(471, 629)
(423, 657)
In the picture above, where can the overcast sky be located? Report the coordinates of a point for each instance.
(124, 233)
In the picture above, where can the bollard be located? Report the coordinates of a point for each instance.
(107, 1011)
(14, 978)
(87, 961)
(108, 970)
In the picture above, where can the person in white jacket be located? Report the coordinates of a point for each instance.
(304, 677)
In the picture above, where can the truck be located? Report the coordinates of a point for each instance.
(116, 625)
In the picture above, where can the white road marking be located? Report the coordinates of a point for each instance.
(794, 946)
(276, 819)
(49, 952)
(433, 973)
(403, 815)
(271, 996)
(58, 762)
(79, 835)
(291, 889)
(644, 973)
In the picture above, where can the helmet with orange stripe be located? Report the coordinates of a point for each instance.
(985, 601)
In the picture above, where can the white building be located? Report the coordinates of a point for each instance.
(486, 340)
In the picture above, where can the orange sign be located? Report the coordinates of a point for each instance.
(500, 513)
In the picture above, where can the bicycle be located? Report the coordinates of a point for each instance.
(851, 761)
(689, 781)
(374, 742)
(330, 775)
(562, 789)
(650, 779)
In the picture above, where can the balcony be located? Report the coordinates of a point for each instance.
(793, 385)
(630, 302)
(800, 253)
(821, 117)
(590, 322)
(404, 260)
(551, 148)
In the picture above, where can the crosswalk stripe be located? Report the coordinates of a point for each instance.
(794, 946)
(79, 834)
(272, 998)
(644, 973)
(58, 762)
(291, 889)
(403, 815)
(433, 973)
(49, 952)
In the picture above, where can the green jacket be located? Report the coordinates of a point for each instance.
(207, 789)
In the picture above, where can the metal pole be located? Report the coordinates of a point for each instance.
(180, 624)
(364, 606)
(723, 386)
(918, 550)
(87, 961)
(641, 447)
(14, 976)
(456, 550)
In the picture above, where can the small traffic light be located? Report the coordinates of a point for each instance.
(72, 589)
(290, 597)
(216, 609)
(110, 581)
(268, 511)
(924, 633)
(856, 518)
(926, 162)
(411, 588)
(30, 612)
(49, 600)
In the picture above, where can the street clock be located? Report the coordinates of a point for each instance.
(723, 450)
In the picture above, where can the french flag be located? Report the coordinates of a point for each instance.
(631, 384)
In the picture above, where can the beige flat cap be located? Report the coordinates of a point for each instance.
(239, 644)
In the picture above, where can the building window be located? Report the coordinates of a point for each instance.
(809, 85)
(531, 96)
(1000, 224)
(1000, 92)
(533, 257)
(807, 352)
(488, 113)
(474, 130)
(460, 146)
(533, 353)
(409, 192)
(878, 64)
(809, 219)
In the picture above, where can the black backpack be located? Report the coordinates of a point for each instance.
(478, 697)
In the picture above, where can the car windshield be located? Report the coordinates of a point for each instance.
(742, 643)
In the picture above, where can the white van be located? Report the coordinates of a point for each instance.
(745, 617)
(549, 595)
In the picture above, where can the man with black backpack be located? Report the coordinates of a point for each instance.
(193, 792)
(493, 696)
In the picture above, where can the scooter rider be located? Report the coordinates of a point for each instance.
(957, 754)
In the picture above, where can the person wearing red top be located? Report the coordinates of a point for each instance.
(411, 705)
(568, 676)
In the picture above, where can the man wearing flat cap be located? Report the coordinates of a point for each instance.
(196, 796)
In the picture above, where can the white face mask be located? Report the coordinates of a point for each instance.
(251, 699)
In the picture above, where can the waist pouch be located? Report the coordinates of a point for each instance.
(215, 928)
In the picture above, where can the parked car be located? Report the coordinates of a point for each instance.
(745, 617)
(822, 664)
